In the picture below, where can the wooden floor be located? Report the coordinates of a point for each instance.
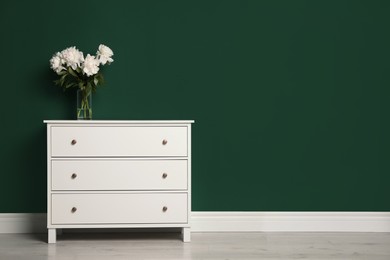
(112, 246)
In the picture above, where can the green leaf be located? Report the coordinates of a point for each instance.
(100, 79)
(56, 82)
(71, 72)
(88, 89)
(70, 85)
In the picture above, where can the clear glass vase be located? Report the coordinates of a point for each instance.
(84, 105)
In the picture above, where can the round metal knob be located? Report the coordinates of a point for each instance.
(74, 209)
(165, 175)
(74, 175)
(73, 142)
(165, 209)
(165, 141)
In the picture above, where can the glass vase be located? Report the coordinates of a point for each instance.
(84, 105)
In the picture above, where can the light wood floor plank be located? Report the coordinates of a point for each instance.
(112, 246)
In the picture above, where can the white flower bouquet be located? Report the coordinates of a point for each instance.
(75, 71)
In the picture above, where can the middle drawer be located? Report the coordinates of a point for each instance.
(119, 175)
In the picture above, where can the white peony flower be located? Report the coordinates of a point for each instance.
(72, 57)
(104, 54)
(56, 63)
(91, 65)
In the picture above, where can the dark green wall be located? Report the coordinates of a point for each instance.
(290, 98)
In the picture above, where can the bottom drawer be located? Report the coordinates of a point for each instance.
(116, 208)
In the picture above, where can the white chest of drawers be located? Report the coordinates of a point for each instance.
(118, 174)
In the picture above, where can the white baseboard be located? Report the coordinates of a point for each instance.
(22, 222)
(240, 222)
(290, 222)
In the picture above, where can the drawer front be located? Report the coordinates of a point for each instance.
(119, 208)
(101, 141)
(119, 175)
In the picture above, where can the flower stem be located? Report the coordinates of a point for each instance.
(84, 108)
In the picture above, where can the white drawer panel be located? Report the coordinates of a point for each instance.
(119, 208)
(119, 175)
(118, 141)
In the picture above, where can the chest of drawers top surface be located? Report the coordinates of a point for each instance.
(118, 138)
(119, 122)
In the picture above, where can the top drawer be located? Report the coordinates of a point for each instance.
(102, 141)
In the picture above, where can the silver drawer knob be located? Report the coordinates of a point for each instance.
(73, 142)
(165, 209)
(165, 175)
(74, 209)
(74, 175)
(165, 141)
